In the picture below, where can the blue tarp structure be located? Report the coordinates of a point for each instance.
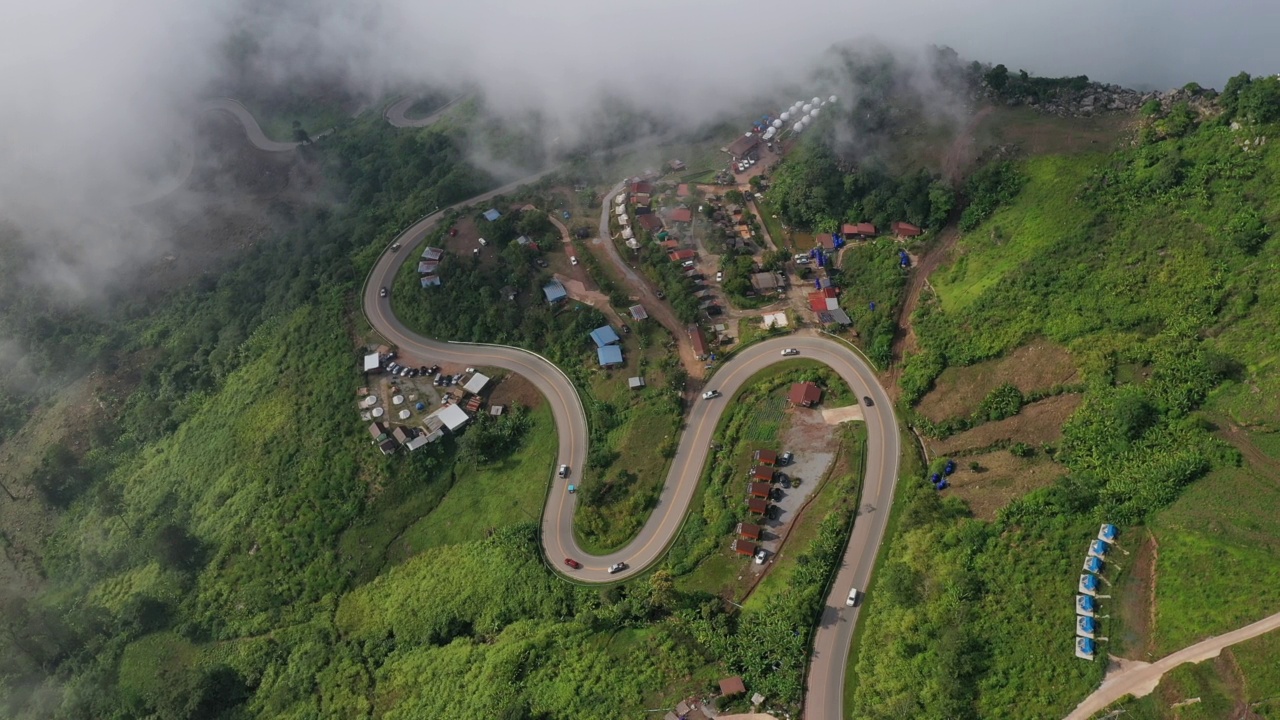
(949, 468)
(903, 259)
(1093, 565)
(1086, 645)
(1098, 548)
(1085, 602)
(936, 477)
(604, 336)
(1107, 532)
(492, 214)
(421, 406)
(942, 485)
(1087, 624)
(1089, 582)
(554, 291)
(609, 355)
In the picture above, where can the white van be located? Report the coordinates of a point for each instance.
(853, 597)
(483, 241)
(573, 259)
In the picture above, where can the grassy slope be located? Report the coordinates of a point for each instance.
(1219, 558)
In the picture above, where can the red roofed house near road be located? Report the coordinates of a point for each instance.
(762, 473)
(682, 215)
(749, 531)
(757, 505)
(650, 223)
(746, 146)
(759, 489)
(766, 457)
(823, 300)
(849, 231)
(858, 230)
(642, 187)
(680, 255)
(699, 342)
(805, 394)
(744, 547)
(905, 230)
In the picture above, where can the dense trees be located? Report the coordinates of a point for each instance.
(814, 192)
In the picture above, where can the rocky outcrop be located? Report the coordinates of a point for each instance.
(1101, 98)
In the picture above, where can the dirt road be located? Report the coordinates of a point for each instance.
(640, 289)
(1139, 678)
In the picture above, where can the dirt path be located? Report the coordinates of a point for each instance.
(1240, 440)
(641, 291)
(1139, 678)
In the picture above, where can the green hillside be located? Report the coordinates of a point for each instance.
(1155, 266)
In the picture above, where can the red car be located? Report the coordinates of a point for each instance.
(573, 563)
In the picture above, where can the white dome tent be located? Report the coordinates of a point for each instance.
(776, 124)
(785, 116)
(831, 99)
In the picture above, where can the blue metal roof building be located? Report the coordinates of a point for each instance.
(492, 214)
(554, 291)
(609, 355)
(604, 336)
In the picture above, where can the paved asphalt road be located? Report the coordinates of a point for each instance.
(396, 113)
(826, 675)
(832, 641)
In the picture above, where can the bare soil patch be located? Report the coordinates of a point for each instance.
(1038, 423)
(1039, 134)
(1136, 594)
(1002, 478)
(515, 389)
(959, 391)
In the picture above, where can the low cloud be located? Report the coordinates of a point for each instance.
(100, 98)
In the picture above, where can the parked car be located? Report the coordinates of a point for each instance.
(573, 563)
(382, 292)
(866, 400)
(541, 262)
(786, 458)
(573, 259)
(720, 276)
(788, 352)
(687, 263)
(617, 567)
(853, 597)
(773, 512)
(395, 246)
(710, 394)
(625, 329)
(783, 480)
(564, 471)
(776, 495)
(760, 556)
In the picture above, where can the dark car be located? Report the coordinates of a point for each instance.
(776, 494)
(784, 481)
(625, 329)
(773, 512)
(573, 563)
(424, 370)
(786, 458)
(541, 263)
(866, 400)
(382, 292)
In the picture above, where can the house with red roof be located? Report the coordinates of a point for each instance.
(905, 230)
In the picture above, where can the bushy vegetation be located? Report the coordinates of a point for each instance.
(1032, 89)
(871, 272)
(813, 191)
(1147, 257)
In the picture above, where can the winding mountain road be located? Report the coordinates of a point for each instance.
(835, 632)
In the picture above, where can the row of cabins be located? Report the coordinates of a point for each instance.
(865, 231)
(758, 490)
(429, 266)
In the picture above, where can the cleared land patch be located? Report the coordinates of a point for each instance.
(1038, 423)
(1002, 478)
(1035, 366)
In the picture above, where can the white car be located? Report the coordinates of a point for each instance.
(573, 259)
(564, 471)
(760, 556)
(789, 352)
(710, 394)
(853, 597)
(720, 276)
(617, 568)
(688, 263)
